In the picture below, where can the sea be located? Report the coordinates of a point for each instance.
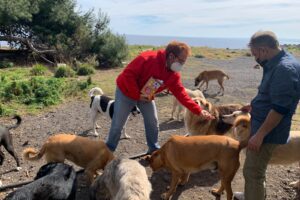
(230, 43)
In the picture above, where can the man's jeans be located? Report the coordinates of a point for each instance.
(255, 171)
(122, 108)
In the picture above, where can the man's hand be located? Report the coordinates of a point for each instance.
(207, 115)
(255, 142)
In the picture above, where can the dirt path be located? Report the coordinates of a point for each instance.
(73, 117)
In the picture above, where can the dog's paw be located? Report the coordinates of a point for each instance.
(95, 134)
(18, 168)
(216, 192)
(126, 136)
(164, 196)
(295, 184)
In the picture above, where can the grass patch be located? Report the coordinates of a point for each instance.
(23, 91)
(294, 49)
(212, 53)
(197, 52)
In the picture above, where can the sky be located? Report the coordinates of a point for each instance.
(200, 18)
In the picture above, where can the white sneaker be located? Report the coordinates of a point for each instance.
(238, 196)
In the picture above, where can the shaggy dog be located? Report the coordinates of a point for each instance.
(207, 76)
(105, 105)
(283, 154)
(7, 142)
(86, 153)
(180, 155)
(53, 181)
(177, 105)
(122, 179)
(198, 125)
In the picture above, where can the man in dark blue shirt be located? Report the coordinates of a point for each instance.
(271, 110)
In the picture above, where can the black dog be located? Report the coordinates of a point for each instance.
(54, 181)
(7, 142)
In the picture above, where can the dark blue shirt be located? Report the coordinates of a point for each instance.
(279, 90)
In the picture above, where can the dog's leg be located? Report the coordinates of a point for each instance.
(227, 173)
(9, 147)
(184, 178)
(220, 81)
(124, 130)
(94, 116)
(180, 109)
(175, 103)
(206, 81)
(218, 192)
(174, 182)
(201, 84)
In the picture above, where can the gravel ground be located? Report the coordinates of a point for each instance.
(73, 116)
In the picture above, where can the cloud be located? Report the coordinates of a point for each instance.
(230, 18)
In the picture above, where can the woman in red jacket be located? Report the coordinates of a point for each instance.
(164, 67)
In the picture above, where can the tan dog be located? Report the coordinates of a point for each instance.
(184, 155)
(122, 179)
(177, 105)
(197, 125)
(206, 76)
(89, 154)
(283, 154)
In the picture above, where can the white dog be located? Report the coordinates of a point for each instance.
(122, 179)
(177, 105)
(105, 105)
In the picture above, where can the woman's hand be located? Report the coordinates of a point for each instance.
(207, 115)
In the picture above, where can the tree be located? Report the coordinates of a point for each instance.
(52, 29)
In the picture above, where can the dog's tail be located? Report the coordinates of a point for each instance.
(95, 89)
(32, 154)
(226, 76)
(19, 120)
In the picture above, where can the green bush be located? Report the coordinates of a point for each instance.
(111, 51)
(64, 72)
(89, 80)
(5, 111)
(37, 90)
(84, 70)
(38, 70)
(6, 64)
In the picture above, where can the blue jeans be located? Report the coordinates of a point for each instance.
(122, 108)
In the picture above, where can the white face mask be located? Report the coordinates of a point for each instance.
(176, 66)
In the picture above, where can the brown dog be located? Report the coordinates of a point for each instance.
(89, 154)
(184, 155)
(282, 155)
(207, 76)
(197, 125)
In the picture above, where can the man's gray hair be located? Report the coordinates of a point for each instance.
(264, 39)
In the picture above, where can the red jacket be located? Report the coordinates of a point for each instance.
(153, 64)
